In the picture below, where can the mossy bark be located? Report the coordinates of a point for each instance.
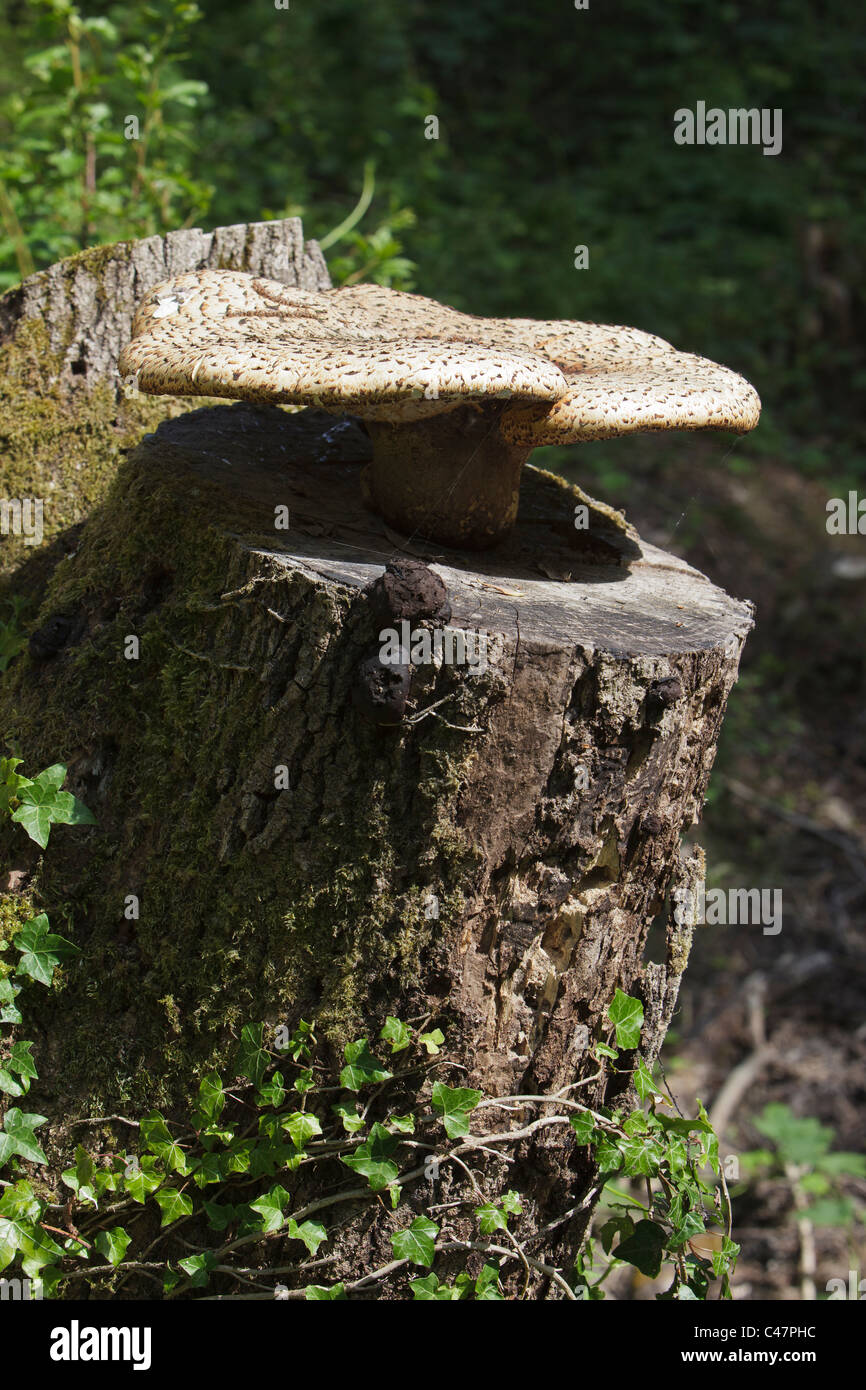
(284, 852)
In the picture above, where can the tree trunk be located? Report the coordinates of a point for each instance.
(491, 860)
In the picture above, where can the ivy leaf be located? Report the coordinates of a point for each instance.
(113, 1244)
(643, 1082)
(35, 1248)
(272, 1092)
(608, 1156)
(429, 1290)
(361, 1066)
(11, 781)
(432, 1041)
(626, 1014)
(42, 804)
(299, 1043)
(395, 1033)
(20, 1060)
(320, 1293)
(20, 1234)
(491, 1218)
(211, 1099)
(417, 1243)
(698, 1281)
(220, 1214)
(268, 1159)
(271, 1208)
(583, 1125)
(9, 1232)
(621, 1226)
(455, 1104)
(372, 1159)
(487, 1285)
(210, 1168)
(9, 1011)
(41, 950)
(602, 1050)
(252, 1059)
(10, 1085)
(404, 1124)
(723, 1259)
(677, 1156)
(19, 1202)
(641, 1157)
(301, 1127)
(80, 1178)
(643, 1248)
(352, 1121)
(198, 1267)
(140, 1181)
(672, 1124)
(511, 1203)
(690, 1224)
(18, 1137)
(173, 1204)
(238, 1156)
(156, 1137)
(712, 1140)
(310, 1232)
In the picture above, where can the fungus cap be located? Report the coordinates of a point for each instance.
(382, 354)
(454, 404)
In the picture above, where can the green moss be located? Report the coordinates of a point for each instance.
(251, 904)
(59, 443)
(15, 910)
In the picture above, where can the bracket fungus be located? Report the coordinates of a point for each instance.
(454, 404)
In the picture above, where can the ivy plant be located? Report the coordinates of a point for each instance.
(38, 803)
(227, 1177)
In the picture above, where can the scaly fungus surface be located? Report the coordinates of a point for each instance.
(454, 404)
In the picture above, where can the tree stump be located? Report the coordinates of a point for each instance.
(491, 860)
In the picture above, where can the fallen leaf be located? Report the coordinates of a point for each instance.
(509, 593)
